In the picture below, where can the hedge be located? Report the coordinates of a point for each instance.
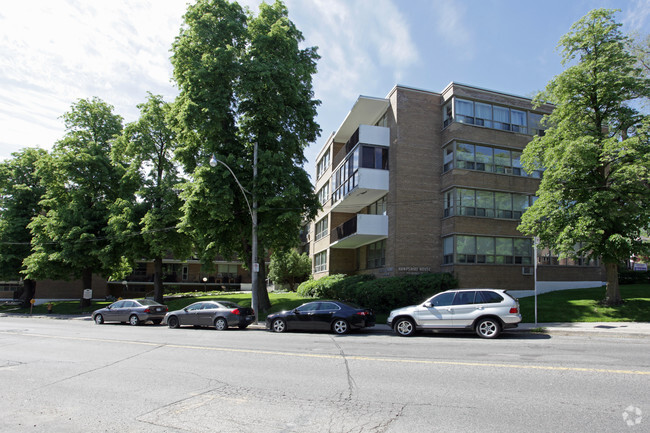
(633, 277)
(379, 294)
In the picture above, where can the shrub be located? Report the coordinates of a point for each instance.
(379, 294)
(633, 277)
(316, 288)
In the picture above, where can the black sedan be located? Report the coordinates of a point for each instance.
(337, 316)
(134, 311)
(220, 314)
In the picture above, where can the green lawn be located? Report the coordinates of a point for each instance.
(279, 302)
(584, 305)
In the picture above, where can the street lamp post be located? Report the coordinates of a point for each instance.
(253, 212)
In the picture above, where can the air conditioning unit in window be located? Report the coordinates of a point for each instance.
(527, 270)
(508, 170)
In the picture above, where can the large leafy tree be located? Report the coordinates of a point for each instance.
(20, 194)
(244, 80)
(69, 237)
(144, 224)
(593, 198)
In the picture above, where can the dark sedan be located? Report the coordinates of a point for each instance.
(220, 314)
(337, 316)
(134, 311)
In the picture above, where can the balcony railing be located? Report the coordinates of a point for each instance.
(360, 230)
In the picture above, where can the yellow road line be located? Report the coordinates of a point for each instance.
(338, 356)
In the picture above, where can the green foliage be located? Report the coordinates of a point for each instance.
(81, 183)
(144, 223)
(243, 79)
(379, 294)
(289, 268)
(593, 198)
(20, 194)
(633, 277)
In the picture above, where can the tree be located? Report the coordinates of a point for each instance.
(69, 237)
(20, 193)
(144, 224)
(289, 268)
(244, 80)
(593, 198)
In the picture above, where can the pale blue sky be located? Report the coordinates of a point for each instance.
(54, 52)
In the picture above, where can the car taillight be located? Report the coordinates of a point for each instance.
(514, 310)
(363, 313)
(235, 311)
(147, 310)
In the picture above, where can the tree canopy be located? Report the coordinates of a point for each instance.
(69, 237)
(144, 223)
(243, 79)
(20, 194)
(593, 198)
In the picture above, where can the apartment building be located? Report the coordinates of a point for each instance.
(421, 181)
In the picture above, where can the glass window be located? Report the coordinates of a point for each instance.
(448, 158)
(483, 114)
(447, 115)
(465, 155)
(516, 164)
(503, 249)
(485, 203)
(464, 298)
(502, 162)
(449, 204)
(503, 202)
(376, 254)
(501, 118)
(519, 205)
(522, 249)
(466, 249)
(464, 111)
(484, 249)
(443, 299)
(448, 249)
(320, 261)
(518, 120)
(466, 201)
(487, 297)
(484, 158)
(535, 122)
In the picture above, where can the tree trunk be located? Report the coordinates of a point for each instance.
(158, 289)
(613, 294)
(263, 302)
(29, 290)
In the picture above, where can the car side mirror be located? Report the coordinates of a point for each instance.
(428, 305)
(296, 311)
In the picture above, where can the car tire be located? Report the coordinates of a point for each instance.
(279, 325)
(133, 320)
(488, 328)
(99, 319)
(220, 324)
(341, 326)
(404, 327)
(173, 322)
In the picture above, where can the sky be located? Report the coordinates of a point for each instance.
(55, 52)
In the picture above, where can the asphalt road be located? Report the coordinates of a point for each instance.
(73, 376)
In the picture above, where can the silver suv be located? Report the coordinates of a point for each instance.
(485, 311)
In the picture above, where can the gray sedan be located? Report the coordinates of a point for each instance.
(220, 314)
(133, 311)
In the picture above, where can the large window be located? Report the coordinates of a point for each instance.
(323, 164)
(323, 193)
(487, 250)
(491, 116)
(320, 261)
(490, 204)
(378, 207)
(485, 158)
(321, 228)
(376, 254)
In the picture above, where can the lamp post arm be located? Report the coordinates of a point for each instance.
(213, 163)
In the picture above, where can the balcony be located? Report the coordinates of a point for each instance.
(361, 230)
(365, 187)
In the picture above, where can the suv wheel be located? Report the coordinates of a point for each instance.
(488, 328)
(404, 327)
